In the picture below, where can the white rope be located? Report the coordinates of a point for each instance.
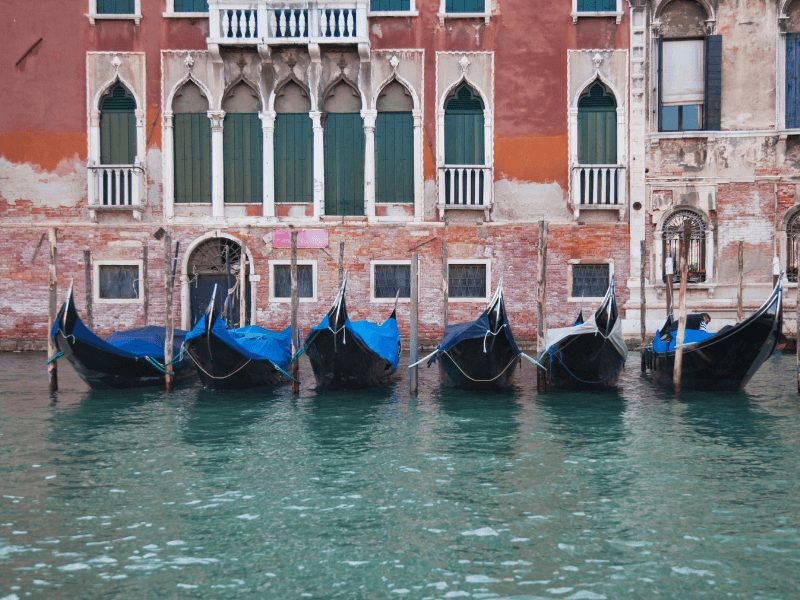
(493, 333)
(197, 364)
(422, 360)
(446, 353)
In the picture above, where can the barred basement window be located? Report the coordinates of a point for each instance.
(672, 233)
(118, 282)
(282, 281)
(792, 247)
(590, 281)
(391, 280)
(466, 280)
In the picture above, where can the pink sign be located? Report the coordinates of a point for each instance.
(306, 238)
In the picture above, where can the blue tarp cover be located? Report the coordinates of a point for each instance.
(692, 336)
(252, 341)
(383, 340)
(132, 343)
(458, 332)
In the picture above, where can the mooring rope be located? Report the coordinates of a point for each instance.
(447, 354)
(492, 333)
(55, 357)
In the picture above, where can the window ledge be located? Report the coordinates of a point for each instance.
(678, 135)
(464, 300)
(393, 13)
(584, 299)
(710, 287)
(184, 15)
(479, 15)
(135, 209)
(604, 13)
(389, 300)
(136, 18)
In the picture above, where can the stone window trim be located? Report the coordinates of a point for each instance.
(376, 263)
(286, 263)
(411, 12)
(486, 15)
(586, 261)
(487, 262)
(135, 16)
(170, 13)
(96, 264)
(617, 13)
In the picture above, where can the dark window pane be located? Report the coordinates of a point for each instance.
(669, 118)
(119, 282)
(115, 7)
(691, 116)
(191, 5)
(283, 281)
(597, 5)
(589, 281)
(464, 6)
(389, 5)
(466, 281)
(389, 279)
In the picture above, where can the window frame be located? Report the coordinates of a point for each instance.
(571, 275)
(617, 13)
(375, 263)
(170, 13)
(96, 264)
(286, 262)
(659, 102)
(411, 12)
(135, 16)
(486, 14)
(487, 262)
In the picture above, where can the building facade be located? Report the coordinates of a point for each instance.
(373, 127)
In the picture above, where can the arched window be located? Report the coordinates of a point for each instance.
(394, 145)
(689, 69)
(293, 141)
(242, 145)
(597, 126)
(672, 235)
(117, 145)
(793, 247)
(192, 134)
(344, 151)
(215, 262)
(463, 128)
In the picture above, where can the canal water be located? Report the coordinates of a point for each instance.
(202, 494)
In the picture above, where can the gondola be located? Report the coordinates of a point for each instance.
(241, 358)
(588, 355)
(725, 360)
(126, 359)
(347, 354)
(480, 354)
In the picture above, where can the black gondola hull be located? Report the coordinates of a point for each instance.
(341, 361)
(220, 367)
(467, 366)
(583, 361)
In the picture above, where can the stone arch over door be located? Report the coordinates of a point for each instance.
(215, 260)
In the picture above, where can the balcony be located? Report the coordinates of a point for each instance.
(465, 187)
(115, 187)
(599, 187)
(262, 23)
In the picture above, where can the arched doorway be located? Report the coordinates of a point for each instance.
(216, 262)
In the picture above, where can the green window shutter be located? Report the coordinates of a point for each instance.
(344, 164)
(294, 158)
(394, 157)
(389, 5)
(118, 127)
(465, 6)
(597, 5)
(191, 5)
(792, 80)
(192, 157)
(115, 7)
(597, 127)
(713, 91)
(463, 128)
(242, 158)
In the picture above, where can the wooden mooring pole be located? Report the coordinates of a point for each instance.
(445, 282)
(541, 307)
(413, 342)
(243, 284)
(295, 305)
(169, 326)
(677, 371)
(797, 318)
(87, 279)
(52, 366)
(341, 263)
(740, 289)
(642, 295)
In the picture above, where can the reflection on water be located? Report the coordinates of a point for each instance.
(374, 494)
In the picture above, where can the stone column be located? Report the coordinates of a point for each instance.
(268, 127)
(217, 165)
(319, 163)
(168, 148)
(369, 117)
(419, 184)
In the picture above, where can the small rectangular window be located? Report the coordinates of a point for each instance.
(597, 5)
(115, 7)
(465, 6)
(282, 275)
(188, 6)
(391, 280)
(466, 280)
(390, 5)
(118, 282)
(589, 281)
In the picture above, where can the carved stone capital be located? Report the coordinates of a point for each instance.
(217, 118)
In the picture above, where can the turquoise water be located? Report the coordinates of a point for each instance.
(375, 495)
